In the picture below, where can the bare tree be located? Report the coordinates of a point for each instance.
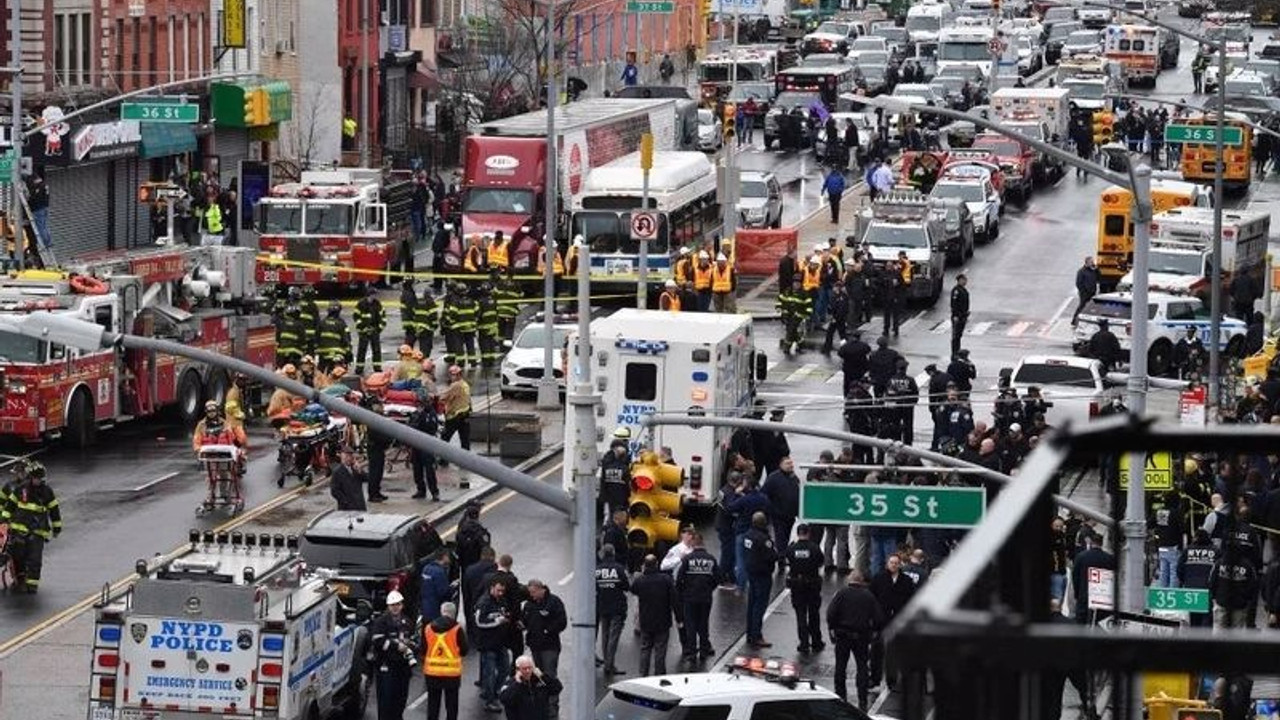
(303, 138)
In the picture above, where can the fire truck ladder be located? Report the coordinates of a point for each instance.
(43, 257)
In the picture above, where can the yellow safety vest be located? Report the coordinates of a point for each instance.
(721, 280)
(905, 273)
(812, 278)
(349, 127)
(557, 263)
(701, 277)
(213, 219)
(498, 255)
(474, 259)
(684, 270)
(443, 656)
(669, 301)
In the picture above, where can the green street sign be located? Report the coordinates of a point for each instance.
(160, 112)
(651, 6)
(1203, 134)
(6, 168)
(1178, 599)
(892, 505)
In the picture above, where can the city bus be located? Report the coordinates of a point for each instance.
(1114, 254)
(1199, 160)
(682, 193)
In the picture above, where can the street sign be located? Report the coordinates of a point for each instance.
(6, 168)
(651, 6)
(1158, 475)
(1138, 624)
(995, 46)
(1102, 589)
(644, 226)
(892, 505)
(1191, 406)
(1178, 599)
(160, 112)
(1233, 136)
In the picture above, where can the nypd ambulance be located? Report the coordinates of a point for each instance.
(233, 627)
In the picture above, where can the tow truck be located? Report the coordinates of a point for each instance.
(233, 626)
(199, 296)
(904, 221)
(340, 226)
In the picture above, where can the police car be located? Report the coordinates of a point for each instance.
(1169, 316)
(750, 688)
(972, 184)
(525, 358)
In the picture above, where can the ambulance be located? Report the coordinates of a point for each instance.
(234, 626)
(1137, 47)
(1180, 258)
(651, 361)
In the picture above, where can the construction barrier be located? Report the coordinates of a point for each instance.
(758, 251)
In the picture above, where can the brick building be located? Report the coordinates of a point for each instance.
(148, 42)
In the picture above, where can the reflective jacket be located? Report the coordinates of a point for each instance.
(31, 509)
(371, 319)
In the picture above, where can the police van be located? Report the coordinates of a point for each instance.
(233, 627)
(651, 361)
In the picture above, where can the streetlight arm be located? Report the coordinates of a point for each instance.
(1259, 129)
(1057, 153)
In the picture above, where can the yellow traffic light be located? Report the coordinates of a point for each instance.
(655, 501)
(256, 108)
(995, 6)
(1102, 127)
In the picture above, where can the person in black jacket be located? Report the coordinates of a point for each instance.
(1105, 347)
(615, 479)
(857, 282)
(854, 354)
(893, 590)
(513, 596)
(615, 534)
(787, 268)
(392, 643)
(760, 557)
(488, 633)
(346, 480)
(962, 372)
(656, 595)
(881, 365)
(838, 308)
(804, 579)
(1243, 294)
(1087, 279)
(527, 695)
(695, 587)
(544, 618)
(1195, 570)
(1234, 583)
(770, 446)
(1093, 557)
(782, 487)
(854, 619)
(611, 606)
(903, 394)
(959, 310)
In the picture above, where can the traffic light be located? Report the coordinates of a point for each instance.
(256, 109)
(995, 7)
(706, 8)
(1102, 130)
(655, 501)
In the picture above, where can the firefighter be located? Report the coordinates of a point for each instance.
(795, 307)
(467, 323)
(214, 430)
(409, 365)
(31, 510)
(473, 262)
(428, 321)
(723, 281)
(449, 321)
(500, 254)
(702, 281)
(508, 297)
(335, 339)
(439, 248)
(234, 403)
(290, 336)
(281, 400)
(670, 297)
(310, 320)
(487, 327)
(370, 322)
(811, 283)
(409, 313)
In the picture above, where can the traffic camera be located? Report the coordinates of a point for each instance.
(655, 500)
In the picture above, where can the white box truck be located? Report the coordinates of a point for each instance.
(1181, 249)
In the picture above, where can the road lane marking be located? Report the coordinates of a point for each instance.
(14, 459)
(804, 371)
(150, 484)
(1062, 308)
(981, 328)
(735, 649)
(1018, 328)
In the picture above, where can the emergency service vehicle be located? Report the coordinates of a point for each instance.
(924, 22)
(754, 64)
(903, 221)
(965, 47)
(332, 226)
(1114, 251)
(197, 296)
(972, 185)
(1170, 317)
(1137, 47)
(1042, 114)
(651, 361)
(234, 626)
(1180, 258)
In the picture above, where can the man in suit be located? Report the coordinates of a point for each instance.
(345, 484)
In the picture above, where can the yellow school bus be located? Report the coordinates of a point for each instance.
(1199, 160)
(1115, 226)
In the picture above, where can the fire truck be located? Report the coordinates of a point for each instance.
(198, 296)
(234, 626)
(340, 226)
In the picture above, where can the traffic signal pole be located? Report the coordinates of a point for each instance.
(15, 86)
(548, 389)
(1215, 280)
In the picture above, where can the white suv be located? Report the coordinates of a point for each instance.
(736, 695)
(522, 366)
(971, 184)
(759, 200)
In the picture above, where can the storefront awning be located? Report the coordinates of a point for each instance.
(163, 139)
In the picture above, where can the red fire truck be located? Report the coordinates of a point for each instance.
(332, 226)
(198, 296)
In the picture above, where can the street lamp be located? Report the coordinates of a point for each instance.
(1138, 181)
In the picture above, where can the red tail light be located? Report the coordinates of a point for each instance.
(1094, 409)
(270, 697)
(106, 688)
(109, 660)
(271, 670)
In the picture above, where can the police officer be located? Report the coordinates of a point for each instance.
(904, 393)
(290, 337)
(804, 579)
(487, 327)
(615, 475)
(1105, 346)
(962, 372)
(334, 347)
(371, 319)
(696, 581)
(760, 556)
(612, 584)
(507, 296)
(959, 310)
(409, 313)
(30, 507)
(428, 317)
(439, 248)
(854, 617)
(391, 642)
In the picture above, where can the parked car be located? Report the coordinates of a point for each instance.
(1030, 59)
(1082, 42)
(759, 200)
(710, 131)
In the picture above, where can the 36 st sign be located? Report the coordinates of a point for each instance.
(892, 505)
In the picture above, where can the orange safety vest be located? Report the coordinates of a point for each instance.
(684, 270)
(701, 277)
(474, 259)
(812, 278)
(557, 263)
(721, 280)
(669, 301)
(443, 656)
(905, 273)
(498, 254)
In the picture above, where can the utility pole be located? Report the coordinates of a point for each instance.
(15, 178)
(729, 203)
(1215, 280)
(646, 164)
(364, 83)
(1135, 515)
(585, 466)
(548, 391)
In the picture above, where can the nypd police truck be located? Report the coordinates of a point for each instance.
(235, 626)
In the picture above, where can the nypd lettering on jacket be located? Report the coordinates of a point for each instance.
(699, 566)
(1201, 556)
(609, 578)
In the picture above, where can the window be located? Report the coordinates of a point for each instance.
(135, 57)
(710, 712)
(1181, 311)
(119, 45)
(86, 48)
(426, 13)
(151, 51)
(1113, 225)
(641, 382)
(72, 48)
(104, 316)
(807, 709)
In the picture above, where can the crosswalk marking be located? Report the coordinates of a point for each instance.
(1019, 328)
(803, 372)
(981, 328)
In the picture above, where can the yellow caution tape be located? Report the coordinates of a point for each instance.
(480, 276)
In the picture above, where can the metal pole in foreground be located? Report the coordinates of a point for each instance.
(15, 85)
(364, 83)
(1215, 280)
(582, 401)
(646, 164)
(548, 391)
(1135, 517)
(729, 198)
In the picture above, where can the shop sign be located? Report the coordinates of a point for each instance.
(107, 141)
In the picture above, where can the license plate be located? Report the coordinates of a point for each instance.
(139, 714)
(103, 712)
(1209, 167)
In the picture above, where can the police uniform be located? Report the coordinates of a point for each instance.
(371, 320)
(804, 579)
(903, 393)
(696, 581)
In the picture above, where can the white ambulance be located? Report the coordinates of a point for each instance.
(652, 361)
(235, 627)
(1181, 255)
